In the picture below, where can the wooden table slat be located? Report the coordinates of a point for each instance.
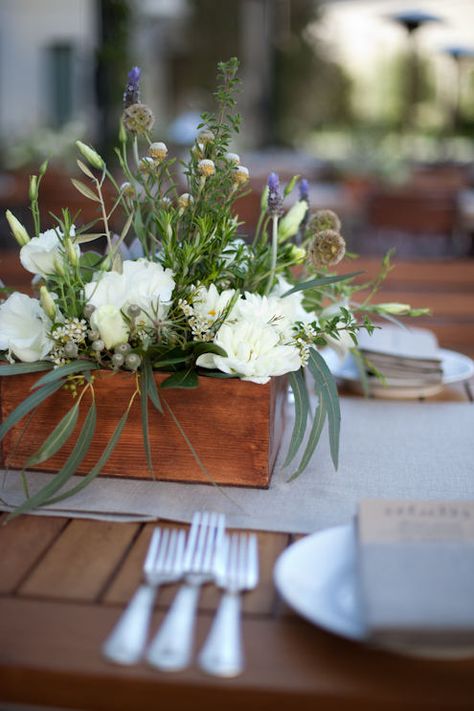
(23, 542)
(292, 664)
(81, 561)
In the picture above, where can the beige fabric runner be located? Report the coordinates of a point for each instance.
(388, 449)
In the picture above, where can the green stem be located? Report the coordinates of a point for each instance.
(271, 278)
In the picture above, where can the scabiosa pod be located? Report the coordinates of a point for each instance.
(327, 249)
(323, 220)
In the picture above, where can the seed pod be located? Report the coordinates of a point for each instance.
(327, 249)
(70, 349)
(98, 345)
(133, 310)
(123, 349)
(117, 360)
(132, 361)
(323, 220)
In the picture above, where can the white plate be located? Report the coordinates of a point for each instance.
(317, 577)
(456, 369)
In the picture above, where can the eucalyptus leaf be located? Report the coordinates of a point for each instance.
(181, 379)
(95, 471)
(32, 401)
(149, 385)
(199, 348)
(170, 361)
(327, 391)
(77, 366)
(145, 424)
(57, 438)
(24, 368)
(320, 281)
(85, 190)
(313, 439)
(75, 458)
(302, 410)
(217, 374)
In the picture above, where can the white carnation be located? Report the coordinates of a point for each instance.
(24, 328)
(254, 352)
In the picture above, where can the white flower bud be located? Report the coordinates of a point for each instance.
(18, 231)
(241, 175)
(158, 151)
(91, 156)
(47, 303)
(111, 325)
(289, 224)
(185, 200)
(206, 167)
(232, 158)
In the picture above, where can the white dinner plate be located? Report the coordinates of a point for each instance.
(456, 369)
(317, 577)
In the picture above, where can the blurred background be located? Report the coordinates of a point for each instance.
(371, 100)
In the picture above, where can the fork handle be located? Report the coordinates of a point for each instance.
(172, 647)
(127, 641)
(222, 653)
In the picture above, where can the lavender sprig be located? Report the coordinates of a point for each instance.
(132, 90)
(275, 200)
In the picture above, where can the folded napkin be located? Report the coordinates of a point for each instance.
(416, 571)
(406, 357)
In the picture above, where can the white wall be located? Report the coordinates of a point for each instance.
(27, 27)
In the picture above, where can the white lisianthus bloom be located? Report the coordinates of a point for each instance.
(111, 325)
(42, 254)
(24, 328)
(254, 352)
(149, 286)
(143, 283)
(209, 304)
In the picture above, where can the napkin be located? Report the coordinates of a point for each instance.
(406, 357)
(416, 571)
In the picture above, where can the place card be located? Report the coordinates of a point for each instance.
(416, 571)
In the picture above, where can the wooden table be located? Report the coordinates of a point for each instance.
(63, 584)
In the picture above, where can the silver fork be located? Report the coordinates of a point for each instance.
(236, 572)
(163, 564)
(172, 647)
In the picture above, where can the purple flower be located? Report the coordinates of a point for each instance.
(132, 90)
(304, 192)
(275, 200)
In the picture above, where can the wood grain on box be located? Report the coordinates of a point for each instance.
(234, 426)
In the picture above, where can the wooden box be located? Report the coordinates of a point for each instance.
(234, 426)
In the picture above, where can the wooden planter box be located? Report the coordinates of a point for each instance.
(234, 426)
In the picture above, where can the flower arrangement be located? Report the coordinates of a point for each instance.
(178, 290)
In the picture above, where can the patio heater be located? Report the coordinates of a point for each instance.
(411, 21)
(460, 56)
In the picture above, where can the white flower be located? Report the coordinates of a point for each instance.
(42, 254)
(143, 283)
(253, 352)
(292, 305)
(209, 304)
(24, 328)
(281, 313)
(108, 320)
